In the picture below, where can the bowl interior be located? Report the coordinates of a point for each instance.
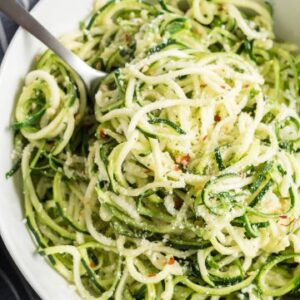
(287, 22)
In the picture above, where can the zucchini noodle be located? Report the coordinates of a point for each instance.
(180, 179)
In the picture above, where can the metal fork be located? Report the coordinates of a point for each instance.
(17, 13)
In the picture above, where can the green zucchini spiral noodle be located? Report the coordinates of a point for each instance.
(180, 180)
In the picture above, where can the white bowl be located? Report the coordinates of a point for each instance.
(59, 16)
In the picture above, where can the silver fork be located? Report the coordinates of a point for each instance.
(17, 13)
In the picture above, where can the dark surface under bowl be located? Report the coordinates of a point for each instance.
(13, 286)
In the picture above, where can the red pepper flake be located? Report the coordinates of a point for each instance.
(223, 87)
(246, 85)
(92, 264)
(151, 275)
(283, 217)
(171, 261)
(217, 118)
(102, 134)
(183, 160)
(147, 171)
(204, 138)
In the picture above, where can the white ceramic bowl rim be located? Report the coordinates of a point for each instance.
(56, 16)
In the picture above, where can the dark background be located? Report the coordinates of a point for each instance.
(13, 286)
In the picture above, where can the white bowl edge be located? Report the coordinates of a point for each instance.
(60, 17)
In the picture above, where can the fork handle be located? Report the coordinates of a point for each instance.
(17, 13)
